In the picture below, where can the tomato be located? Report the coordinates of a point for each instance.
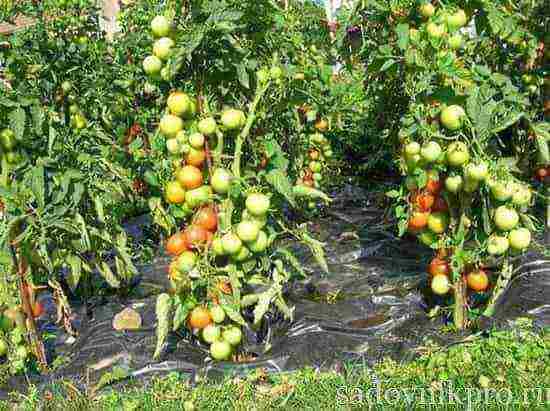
(196, 140)
(438, 222)
(3, 348)
(457, 154)
(231, 243)
(6, 323)
(221, 180)
(412, 149)
(427, 237)
(248, 231)
(276, 72)
(522, 196)
(220, 350)
(179, 103)
(455, 41)
(427, 10)
(233, 119)
(434, 184)
(260, 244)
(313, 155)
(520, 238)
(477, 280)
(506, 218)
(260, 220)
(470, 185)
(424, 201)
(211, 333)
(440, 204)
(233, 335)
(199, 318)
(207, 126)
(196, 236)
(160, 26)
(206, 218)
(497, 245)
(186, 261)
(173, 146)
(321, 125)
(262, 76)
(190, 177)
(174, 193)
(217, 246)
(452, 117)
(476, 172)
(21, 352)
(457, 20)
(152, 65)
(170, 125)
(37, 309)
(435, 30)
(502, 191)
(542, 173)
(218, 314)
(7, 139)
(242, 255)
(440, 285)
(412, 162)
(162, 48)
(257, 204)
(299, 76)
(315, 166)
(439, 266)
(430, 151)
(195, 157)
(66, 87)
(418, 220)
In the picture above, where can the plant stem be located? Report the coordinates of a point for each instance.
(501, 285)
(241, 138)
(459, 312)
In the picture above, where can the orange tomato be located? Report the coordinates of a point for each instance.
(434, 186)
(37, 309)
(418, 220)
(207, 218)
(313, 154)
(177, 244)
(189, 177)
(195, 157)
(196, 236)
(439, 266)
(477, 280)
(199, 318)
(321, 125)
(424, 201)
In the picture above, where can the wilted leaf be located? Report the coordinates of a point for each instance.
(163, 309)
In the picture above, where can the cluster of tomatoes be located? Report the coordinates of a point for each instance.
(153, 65)
(451, 175)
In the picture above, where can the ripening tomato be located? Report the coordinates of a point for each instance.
(434, 184)
(418, 220)
(438, 266)
(206, 218)
(196, 236)
(174, 193)
(425, 201)
(177, 244)
(189, 177)
(199, 318)
(477, 280)
(440, 205)
(37, 309)
(195, 157)
(321, 125)
(438, 222)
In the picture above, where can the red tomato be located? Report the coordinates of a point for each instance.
(196, 235)
(424, 201)
(439, 266)
(207, 218)
(434, 186)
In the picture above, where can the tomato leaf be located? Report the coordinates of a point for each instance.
(163, 309)
(243, 76)
(108, 274)
(281, 183)
(317, 249)
(402, 31)
(17, 119)
(232, 309)
(75, 264)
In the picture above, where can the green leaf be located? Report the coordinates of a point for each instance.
(100, 212)
(160, 216)
(37, 114)
(108, 274)
(402, 31)
(387, 64)
(316, 248)
(75, 264)
(281, 183)
(291, 259)
(243, 76)
(264, 302)
(38, 185)
(232, 309)
(163, 310)
(117, 374)
(17, 118)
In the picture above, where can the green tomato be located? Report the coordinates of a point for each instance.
(470, 185)
(163, 48)
(455, 41)
(248, 230)
(21, 352)
(179, 103)
(502, 191)
(260, 244)
(317, 138)
(233, 119)
(186, 261)
(328, 153)
(152, 65)
(262, 75)
(218, 314)
(520, 238)
(207, 126)
(431, 151)
(173, 146)
(260, 220)
(6, 324)
(231, 244)
(211, 333)
(221, 180)
(217, 246)
(3, 347)
(457, 20)
(170, 125)
(457, 154)
(220, 350)
(233, 335)
(160, 26)
(427, 10)
(506, 218)
(438, 222)
(198, 196)
(435, 30)
(196, 140)
(497, 245)
(276, 72)
(522, 196)
(440, 285)
(188, 406)
(315, 166)
(452, 117)
(412, 149)
(257, 204)
(476, 172)
(7, 139)
(242, 255)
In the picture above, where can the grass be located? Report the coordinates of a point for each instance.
(506, 370)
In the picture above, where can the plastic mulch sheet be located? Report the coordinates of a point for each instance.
(373, 303)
